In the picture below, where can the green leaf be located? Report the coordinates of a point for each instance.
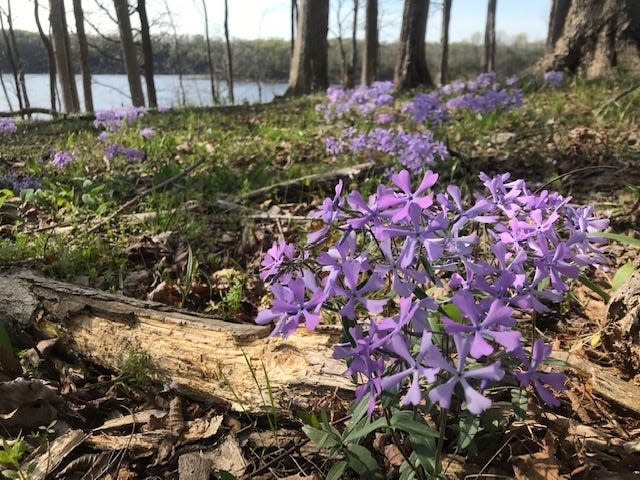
(336, 471)
(425, 451)
(224, 475)
(452, 312)
(617, 237)
(10, 473)
(588, 283)
(308, 418)
(357, 434)
(360, 409)
(520, 402)
(622, 275)
(5, 341)
(403, 420)
(320, 437)
(469, 428)
(361, 461)
(406, 472)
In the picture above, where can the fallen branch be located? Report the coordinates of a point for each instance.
(30, 111)
(208, 358)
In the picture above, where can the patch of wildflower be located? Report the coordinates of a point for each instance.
(61, 158)
(510, 249)
(112, 120)
(147, 132)
(17, 183)
(363, 100)
(8, 126)
(553, 78)
(117, 149)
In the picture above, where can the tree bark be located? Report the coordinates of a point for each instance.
(229, 56)
(12, 60)
(411, 66)
(370, 56)
(84, 55)
(62, 52)
(490, 38)
(354, 46)
(444, 42)
(212, 73)
(49, 49)
(600, 38)
(308, 71)
(209, 359)
(557, 19)
(16, 54)
(147, 54)
(129, 52)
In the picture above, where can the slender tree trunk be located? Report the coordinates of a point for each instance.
(444, 41)
(344, 65)
(16, 53)
(557, 19)
(308, 71)
(411, 65)
(370, 60)
(176, 47)
(229, 57)
(212, 72)
(61, 45)
(490, 38)
(6, 92)
(51, 59)
(129, 52)
(12, 60)
(147, 54)
(84, 55)
(294, 22)
(354, 45)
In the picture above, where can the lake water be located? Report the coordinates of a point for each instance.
(111, 91)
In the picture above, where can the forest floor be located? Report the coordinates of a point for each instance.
(188, 224)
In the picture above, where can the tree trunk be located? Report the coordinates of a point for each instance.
(370, 56)
(84, 55)
(49, 49)
(294, 22)
(600, 38)
(411, 65)
(16, 54)
(557, 19)
(176, 47)
(490, 38)
(444, 42)
(62, 51)
(212, 72)
(208, 358)
(147, 54)
(129, 52)
(354, 47)
(308, 71)
(229, 57)
(12, 60)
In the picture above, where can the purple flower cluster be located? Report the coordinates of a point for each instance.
(511, 249)
(363, 100)
(17, 183)
(62, 158)
(553, 78)
(115, 149)
(411, 150)
(112, 119)
(8, 126)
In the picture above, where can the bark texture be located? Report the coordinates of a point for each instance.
(370, 55)
(147, 54)
(129, 52)
(208, 358)
(308, 71)
(600, 38)
(62, 52)
(84, 55)
(411, 65)
(490, 38)
(444, 41)
(557, 19)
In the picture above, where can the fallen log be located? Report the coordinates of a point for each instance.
(207, 358)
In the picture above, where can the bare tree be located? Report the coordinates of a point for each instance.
(557, 19)
(51, 59)
(411, 65)
(490, 38)
(176, 46)
(370, 60)
(354, 46)
(12, 59)
(599, 38)
(308, 70)
(147, 54)
(62, 52)
(84, 55)
(212, 73)
(229, 56)
(129, 52)
(444, 41)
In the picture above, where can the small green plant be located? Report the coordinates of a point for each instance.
(136, 370)
(231, 300)
(11, 455)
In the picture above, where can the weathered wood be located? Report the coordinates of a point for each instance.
(207, 358)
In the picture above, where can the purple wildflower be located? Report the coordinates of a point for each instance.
(539, 379)
(61, 159)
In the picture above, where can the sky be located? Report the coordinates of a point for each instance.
(262, 19)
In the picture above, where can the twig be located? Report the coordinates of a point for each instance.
(566, 174)
(622, 94)
(145, 192)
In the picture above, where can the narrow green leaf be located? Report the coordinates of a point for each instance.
(519, 402)
(469, 428)
(360, 409)
(361, 461)
(403, 420)
(320, 437)
(356, 435)
(337, 471)
(425, 451)
(10, 473)
(617, 237)
(622, 275)
(588, 283)
(452, 312)
(308, 418)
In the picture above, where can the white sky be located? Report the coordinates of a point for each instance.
(271, 18)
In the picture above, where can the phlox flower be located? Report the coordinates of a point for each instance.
(532, 375)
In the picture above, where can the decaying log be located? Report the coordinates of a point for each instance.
(207, 358)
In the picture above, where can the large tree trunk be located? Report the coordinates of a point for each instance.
(208, 359)
(557, 19)
(444, 42)
(129, 52)
(147, 54)
(600, 38)
(309, 63)
(411, 65)
(62, 52)
(370, 56)
(490, 38)
(84, 55)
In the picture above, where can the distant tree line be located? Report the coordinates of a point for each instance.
(265, 60)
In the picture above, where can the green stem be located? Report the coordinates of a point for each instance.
(443, 426)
